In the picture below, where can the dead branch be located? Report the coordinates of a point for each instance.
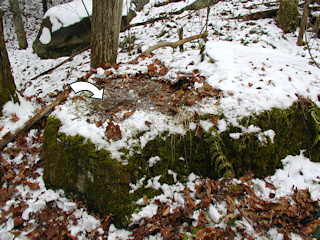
(10, 137)
(173, 44)
(69, 59)
(271, 13)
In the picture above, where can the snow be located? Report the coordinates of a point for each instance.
(23, 110)
(298, 172)
(214, 214)
(45, 37)
(153, 160)
(256, 72)
(68, 14)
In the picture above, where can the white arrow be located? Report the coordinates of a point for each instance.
(85, 86)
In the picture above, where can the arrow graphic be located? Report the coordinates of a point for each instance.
(85, 86)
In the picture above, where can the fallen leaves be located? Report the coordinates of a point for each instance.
(292, 214)
(113, 131)
(154, 89)
(15, 118)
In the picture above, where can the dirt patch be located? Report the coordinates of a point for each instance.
(152, 91)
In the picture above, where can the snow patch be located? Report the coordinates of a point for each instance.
(45, 37)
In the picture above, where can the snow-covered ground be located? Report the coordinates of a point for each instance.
(255, 65)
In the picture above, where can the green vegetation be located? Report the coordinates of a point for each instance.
(75, 165)
(288, 13)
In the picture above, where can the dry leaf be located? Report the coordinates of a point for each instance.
(99, 123)
(113, 131)
(33, 186)
(108, 72)
(15, 118)
(231, 205)
(215, 120)
(145, 199)
(199, 132)
(159, 103)
(166, 212)
(152, 69)
(127, 114)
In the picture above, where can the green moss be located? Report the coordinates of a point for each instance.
(288, 14)
(295, 131)
(75, 165)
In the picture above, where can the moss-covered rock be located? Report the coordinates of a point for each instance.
(75, 165)
(294, 128)
(288, 13)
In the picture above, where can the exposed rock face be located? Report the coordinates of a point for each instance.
(63, 42)
(54, 43)
(74, 164)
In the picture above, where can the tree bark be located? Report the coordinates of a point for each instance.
(288, 15)
(105, 29)
(44, 6)
(303, 23)
(18, 24)
(7, 86)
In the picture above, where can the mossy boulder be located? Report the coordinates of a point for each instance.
(295, 130)
(288, 14)
(74, 164)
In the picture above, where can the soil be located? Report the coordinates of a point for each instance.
(152, 91)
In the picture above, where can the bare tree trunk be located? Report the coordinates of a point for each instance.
(105, 28)
(18, 24)
(44, 6)
(303, 22)
(7, 86)
(288, 15)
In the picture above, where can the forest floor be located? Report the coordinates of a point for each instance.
(246, 67)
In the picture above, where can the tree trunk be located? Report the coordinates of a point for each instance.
(7, 86)
(288, 15)
(303, 22)
(18, 24)
(44, 6)
(105, 28)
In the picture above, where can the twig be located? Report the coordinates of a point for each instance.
(32, 121)
(173, 44)
(85, 7)
(309, 50)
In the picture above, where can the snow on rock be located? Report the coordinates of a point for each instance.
(68, 14)
(45, 37)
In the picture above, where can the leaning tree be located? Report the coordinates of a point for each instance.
(7, 86)
(105, 29)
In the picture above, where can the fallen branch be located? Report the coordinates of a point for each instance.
(271, 13)
(60, 64)
(192, 7)
(173, 44)
(10, 137)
